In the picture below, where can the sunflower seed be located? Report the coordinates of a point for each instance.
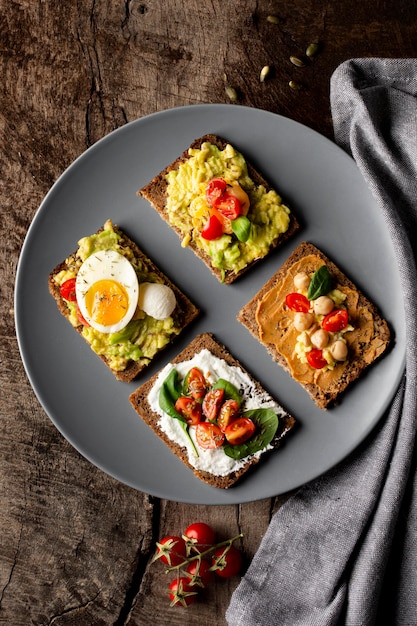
(264, 73)
(297, 61)
(231, 93)
(294, 85)
(312, 49)
(273, 19)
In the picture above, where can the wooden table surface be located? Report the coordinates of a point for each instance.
(75, 543)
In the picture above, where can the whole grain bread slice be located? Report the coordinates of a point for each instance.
(364, 354)
(185, 311)
(140, 403)
(156, 193)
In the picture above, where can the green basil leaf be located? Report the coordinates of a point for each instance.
(266, 422)
(169, 393)
(320, 284)
(230, 391)
(241, 227)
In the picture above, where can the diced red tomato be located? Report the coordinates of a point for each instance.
(215, 189)
(240, 430)
(336, 320)
(229, 411)
(316, 359)
(209, 435)
(213, 228)
(189, 409)
(212, 402)
(67, 290)
(195, 383)
(298, 302)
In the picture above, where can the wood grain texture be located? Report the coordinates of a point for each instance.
(76, 545)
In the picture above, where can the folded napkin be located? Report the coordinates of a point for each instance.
(343, 549)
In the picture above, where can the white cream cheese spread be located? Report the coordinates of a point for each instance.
(215, 460)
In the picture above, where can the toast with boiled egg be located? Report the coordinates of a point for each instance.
(121, 303)
(317, 324)
(211, 413)
(221, 207)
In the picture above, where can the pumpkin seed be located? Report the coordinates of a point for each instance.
(297, 61)
(312, 49)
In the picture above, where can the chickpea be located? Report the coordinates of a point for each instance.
(339, 350)
(323, 305)
(320, 338)
(303, 321)
(301, 281)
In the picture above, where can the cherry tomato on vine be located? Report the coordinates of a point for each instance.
(202, 535)
(229, 411)
(189, 409)
(316, 359)
(171, 550)
(239, 431)
(298, 302)
(227, 561)
(336, 320)
(67, 290)
(209, 435)
(181, 593)
(199, 573)
(195, 384)
(211, 403)
(215, 189)
(213, 228)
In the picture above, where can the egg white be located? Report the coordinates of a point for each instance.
(107, 265)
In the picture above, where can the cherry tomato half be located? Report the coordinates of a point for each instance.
(227, 561)
(209, 435)
(67, 290)
(212, 402)
(189, 409)
(81, 317)
(215, 189)
(239, 431)
(199, 573)
(213, 229)
(229, 411)
(200, 535)
(171, 550)
(316, 359)
(297, 302)
(195, 384)
(181, 593)
(229, 206)
(336, 320)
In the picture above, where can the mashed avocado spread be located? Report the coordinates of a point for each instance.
(143, 336)
(187, 208)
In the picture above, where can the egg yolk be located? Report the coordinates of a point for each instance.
(107, 302)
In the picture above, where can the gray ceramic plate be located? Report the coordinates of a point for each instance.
(83, 399)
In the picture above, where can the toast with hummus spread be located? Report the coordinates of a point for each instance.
(221, 207)
(317, 324)
(211, 413)
(119, 301)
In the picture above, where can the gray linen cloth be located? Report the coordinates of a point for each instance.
(343, 549)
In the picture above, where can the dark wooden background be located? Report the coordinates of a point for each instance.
(75, 545)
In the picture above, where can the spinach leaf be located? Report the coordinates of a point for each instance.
(320, 284)
(241, 227)
(169, 393)
(266, 422)
(230, 391)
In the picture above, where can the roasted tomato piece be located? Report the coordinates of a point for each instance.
(67, 290)
(189, 409)
(316, 359)
(212, 402)
(240, 430)
(213, 229)
(229, 411)
(336, 320)
(229, 206)
(209, 435)
(195, 384)
(297, 302)
(215, 189)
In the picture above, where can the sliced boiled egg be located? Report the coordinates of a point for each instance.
(107, 291)
(157, 300)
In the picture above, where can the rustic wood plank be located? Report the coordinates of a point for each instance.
(76, 545)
